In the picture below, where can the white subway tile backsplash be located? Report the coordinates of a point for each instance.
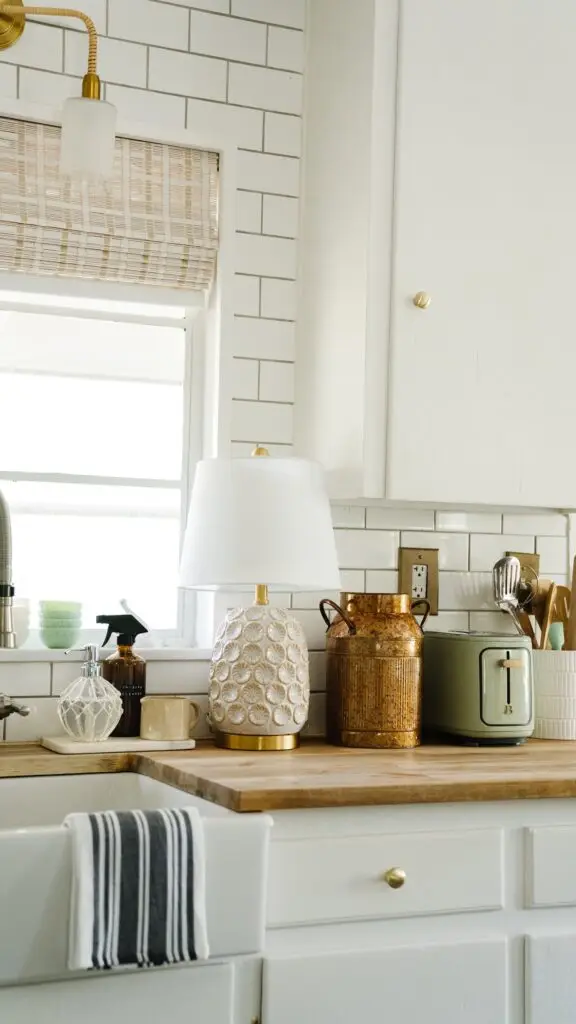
(349, 515)
(310, 600)
(469, 522)
(186, 74)
(492, 622)
(380, 581)
(63, 673)
(220, 6)
(25, 678)
(367, 549)
(553, 554)
(263, 255)
(42, 721)
(142, 105)
(118, 61)
(452, 547)
(278, 299)
(207, 118)
(230, 38)
(466, 591)
(546, 524)
(445, 622)
(399, 519)
(486, 549)
(177, 677)
(46, 88)
(286, 49)
(264, 339)
(280, 216)
(277, 12)
(276, 382)
(283, 134)
(353, 581)
(248, 211)
(317, 672)
(40, 46)
(265, 421)
(263, 172)
(95, 9)
(142, 21)
(246, 298)
(245, 378)
(8, 81)
(252, 86)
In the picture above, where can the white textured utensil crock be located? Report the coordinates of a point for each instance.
(555, 694)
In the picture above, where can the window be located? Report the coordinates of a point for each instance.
(95, 450)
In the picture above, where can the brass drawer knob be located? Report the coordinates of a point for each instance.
(394, 877)
(422, 300)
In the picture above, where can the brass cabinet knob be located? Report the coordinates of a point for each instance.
(394, 877)
(422, 300)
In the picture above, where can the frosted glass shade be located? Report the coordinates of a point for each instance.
(88, 137)
(259, 520)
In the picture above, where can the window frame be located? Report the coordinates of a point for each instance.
(184, 634)
(212, 342)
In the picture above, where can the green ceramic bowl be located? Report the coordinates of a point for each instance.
(61, 638)
(60, 609)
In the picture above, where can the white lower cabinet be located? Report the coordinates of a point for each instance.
(551, 979)
(482, 929)
(202, 995)
(438, 984)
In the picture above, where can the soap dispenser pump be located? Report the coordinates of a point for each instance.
(89, 708)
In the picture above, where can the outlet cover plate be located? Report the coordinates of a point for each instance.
(410, 559)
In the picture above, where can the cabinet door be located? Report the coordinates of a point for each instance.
(551, 979)
(195, 994)
(483, 381)
(436, 984)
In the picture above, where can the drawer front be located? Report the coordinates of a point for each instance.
(552, 860)
(342, 879)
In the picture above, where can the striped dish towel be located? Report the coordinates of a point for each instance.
(138, 888)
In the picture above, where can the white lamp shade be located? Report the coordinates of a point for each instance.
(259, 520)
(88, 136)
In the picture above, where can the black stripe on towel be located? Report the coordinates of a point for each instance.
(156, 952)
(187, 825)
(128, 930)
(97, 886)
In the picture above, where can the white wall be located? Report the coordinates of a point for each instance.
(207, 63)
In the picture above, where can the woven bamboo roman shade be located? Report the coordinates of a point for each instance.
(154, 223)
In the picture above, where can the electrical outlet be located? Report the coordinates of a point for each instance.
(418, 575)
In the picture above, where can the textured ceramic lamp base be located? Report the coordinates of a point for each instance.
(259, 680)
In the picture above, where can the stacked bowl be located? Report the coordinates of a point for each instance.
(60, 623)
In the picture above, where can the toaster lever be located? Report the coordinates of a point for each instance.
(511, 663)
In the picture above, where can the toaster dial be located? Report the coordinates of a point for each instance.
(505, 687)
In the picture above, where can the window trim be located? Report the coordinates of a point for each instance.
(210, 397)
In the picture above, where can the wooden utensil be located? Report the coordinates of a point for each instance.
(570, 631)
(526, 623)
(550, 601)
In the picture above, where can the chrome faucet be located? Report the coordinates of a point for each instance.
(7, 635)
(9, 707)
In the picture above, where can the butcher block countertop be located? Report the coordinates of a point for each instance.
(318, 775)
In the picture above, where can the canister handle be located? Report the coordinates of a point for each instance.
(337, 608)
(415, 603)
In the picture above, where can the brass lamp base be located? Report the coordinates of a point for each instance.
(233, 741)
(11, 25)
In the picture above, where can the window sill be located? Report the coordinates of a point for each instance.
(24, 654)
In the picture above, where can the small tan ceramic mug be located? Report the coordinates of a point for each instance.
(168, 718)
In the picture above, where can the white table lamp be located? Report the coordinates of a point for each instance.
(259, 523)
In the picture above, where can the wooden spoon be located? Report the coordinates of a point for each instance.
(548, 611)
(570, 633)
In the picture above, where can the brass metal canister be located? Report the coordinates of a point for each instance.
(374, 671)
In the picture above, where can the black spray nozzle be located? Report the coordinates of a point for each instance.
(128, 628)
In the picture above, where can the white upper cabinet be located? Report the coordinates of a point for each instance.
(440, 157)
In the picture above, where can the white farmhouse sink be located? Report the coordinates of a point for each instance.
(35, 866)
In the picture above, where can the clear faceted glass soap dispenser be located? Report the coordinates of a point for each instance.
(89, 708)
